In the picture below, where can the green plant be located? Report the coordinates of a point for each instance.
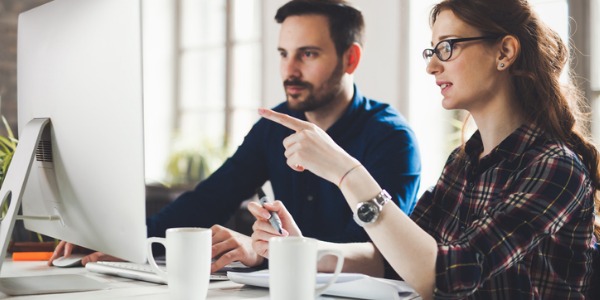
(8, 145)
(190, 165)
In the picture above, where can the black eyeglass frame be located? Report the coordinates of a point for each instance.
(429, 52)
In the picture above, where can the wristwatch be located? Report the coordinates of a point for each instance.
(367, 212)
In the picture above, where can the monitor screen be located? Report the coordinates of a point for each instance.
(80, 66)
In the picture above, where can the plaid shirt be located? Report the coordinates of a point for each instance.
(516, 224)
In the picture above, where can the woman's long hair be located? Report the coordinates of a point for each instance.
(556, 107)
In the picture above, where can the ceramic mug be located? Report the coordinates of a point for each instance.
(293, 268)
(188, 258)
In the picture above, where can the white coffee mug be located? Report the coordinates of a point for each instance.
(188, 253)
(293, 268)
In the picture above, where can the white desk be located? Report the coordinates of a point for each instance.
(122, 288)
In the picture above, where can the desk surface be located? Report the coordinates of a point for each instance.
(122, 288)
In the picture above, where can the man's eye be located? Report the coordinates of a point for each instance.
(309, 54)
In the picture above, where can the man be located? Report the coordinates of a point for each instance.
(320, 48)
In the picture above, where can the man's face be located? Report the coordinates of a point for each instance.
(310, 67)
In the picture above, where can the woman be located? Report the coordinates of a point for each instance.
(512, 214)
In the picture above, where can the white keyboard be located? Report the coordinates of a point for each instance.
(143, 272)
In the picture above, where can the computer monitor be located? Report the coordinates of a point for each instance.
(80, 111)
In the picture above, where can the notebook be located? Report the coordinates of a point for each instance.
(352, 285)
(144, 272)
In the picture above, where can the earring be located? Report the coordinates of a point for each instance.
(501, 65)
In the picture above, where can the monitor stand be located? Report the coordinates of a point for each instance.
(16, 179)
(12, 192)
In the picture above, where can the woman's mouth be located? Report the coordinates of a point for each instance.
(443, 86)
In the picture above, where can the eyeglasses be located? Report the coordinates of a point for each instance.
(443, 49)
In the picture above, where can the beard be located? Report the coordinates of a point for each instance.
(316, 98)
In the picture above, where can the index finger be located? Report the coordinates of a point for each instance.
(257, 211)
(283, 119)
(58, 252)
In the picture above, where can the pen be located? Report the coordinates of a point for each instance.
(274, 219)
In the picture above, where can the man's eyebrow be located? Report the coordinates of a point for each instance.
(305, 48)
(310, 48)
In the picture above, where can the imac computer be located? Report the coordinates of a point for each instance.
(78, 170)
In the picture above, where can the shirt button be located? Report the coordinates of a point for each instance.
(310, 198)
(471, 184)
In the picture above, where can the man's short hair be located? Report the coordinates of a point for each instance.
(346, 23)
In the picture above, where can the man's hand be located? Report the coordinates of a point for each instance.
(229, 246)
(65, 249)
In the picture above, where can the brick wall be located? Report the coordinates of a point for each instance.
(9, 12)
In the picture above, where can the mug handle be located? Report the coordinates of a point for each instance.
(336, 273)
(151, 260)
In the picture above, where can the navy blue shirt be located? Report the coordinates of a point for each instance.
(372, 132)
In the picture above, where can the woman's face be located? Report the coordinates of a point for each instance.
(468, 79)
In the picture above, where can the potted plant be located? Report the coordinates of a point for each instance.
(189, 165)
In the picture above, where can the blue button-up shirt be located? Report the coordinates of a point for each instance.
(372, 132)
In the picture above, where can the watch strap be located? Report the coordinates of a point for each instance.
(382, 198)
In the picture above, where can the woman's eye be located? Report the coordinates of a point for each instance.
(447, 48)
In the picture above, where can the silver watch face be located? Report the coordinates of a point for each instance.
(368, 212)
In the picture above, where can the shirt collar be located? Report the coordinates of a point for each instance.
(348, 117)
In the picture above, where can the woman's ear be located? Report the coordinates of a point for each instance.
(352, 57)
(508, 51)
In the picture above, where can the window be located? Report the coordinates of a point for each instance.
(219, 72)
(202, 77)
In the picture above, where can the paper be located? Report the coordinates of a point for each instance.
(350, 285)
